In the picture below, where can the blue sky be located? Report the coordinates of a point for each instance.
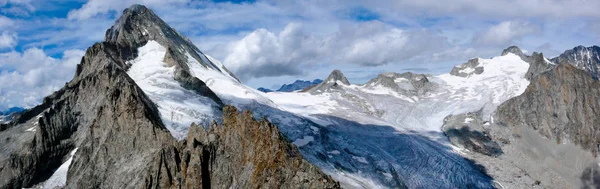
(268, 43)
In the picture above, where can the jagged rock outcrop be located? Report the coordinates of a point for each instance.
(333, 82)
(467, 131)
(561, 104)
(407, 83)
(243, 153)
(517, 51)
(584, 58)
(121, 141)
(467, 69)
(537, 65)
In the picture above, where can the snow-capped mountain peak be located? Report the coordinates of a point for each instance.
(333, 82)
(584, 58)
(337, 75)
(138, 25)
(186, 85)
(514, 50)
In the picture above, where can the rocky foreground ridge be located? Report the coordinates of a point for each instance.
(119, 140)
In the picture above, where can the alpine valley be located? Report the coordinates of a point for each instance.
(146, 108)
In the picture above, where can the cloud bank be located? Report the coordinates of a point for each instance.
(271, 42)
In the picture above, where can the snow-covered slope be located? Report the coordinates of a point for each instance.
(178, 106)
(227, 88)
(503, 78)
(59, 177)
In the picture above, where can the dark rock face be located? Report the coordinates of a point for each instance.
(537, 65)
(101, 112)
(467, 69)
(264, 90)
(467, 131)
(591, 177)
(121, 141)
(584, 58)
(561, 104)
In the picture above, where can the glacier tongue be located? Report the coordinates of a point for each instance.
(178, 107)
(224, 85)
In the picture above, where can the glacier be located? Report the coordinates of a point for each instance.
(365, 136)
(178, 107)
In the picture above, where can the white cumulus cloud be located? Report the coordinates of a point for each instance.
(27, 77)
(505, 33)
(8, 39)
(263, 53)
(6, 22)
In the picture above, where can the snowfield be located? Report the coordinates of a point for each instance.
(59, 177)
(363, 136)
(178, 107)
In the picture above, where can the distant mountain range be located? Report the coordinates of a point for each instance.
(12, 110)
(298, 85)
(6, 116)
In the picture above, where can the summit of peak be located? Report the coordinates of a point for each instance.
(137, 25)
(333, 82)
(137, 8)
(337, 75)
(514, 50)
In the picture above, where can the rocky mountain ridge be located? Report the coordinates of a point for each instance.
(584, 58)
(12, 110)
